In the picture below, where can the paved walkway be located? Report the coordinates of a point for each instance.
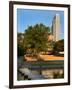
(45, 58)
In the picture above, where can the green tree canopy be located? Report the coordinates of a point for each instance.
(20, 48)
(59, 45)
(36, 38)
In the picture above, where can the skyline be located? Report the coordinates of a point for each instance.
(56, 25)
(30, 17)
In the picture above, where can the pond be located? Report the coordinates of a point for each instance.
(40, 70)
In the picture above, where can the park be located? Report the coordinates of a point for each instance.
(39, 54)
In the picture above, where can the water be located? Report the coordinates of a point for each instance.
(40, 69)
(41, 74)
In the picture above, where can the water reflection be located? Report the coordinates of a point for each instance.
(27, 74)
(40, 69)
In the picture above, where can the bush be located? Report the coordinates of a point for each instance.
(20, 51)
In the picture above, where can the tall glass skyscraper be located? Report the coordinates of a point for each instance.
(56, 26)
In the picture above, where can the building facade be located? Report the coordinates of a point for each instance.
(56, 27)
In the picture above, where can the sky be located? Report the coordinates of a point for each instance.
(30, 17)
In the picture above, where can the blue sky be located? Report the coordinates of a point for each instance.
(27, 17)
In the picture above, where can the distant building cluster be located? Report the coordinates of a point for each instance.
(55, 30)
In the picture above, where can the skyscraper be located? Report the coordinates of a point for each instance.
(56, 27)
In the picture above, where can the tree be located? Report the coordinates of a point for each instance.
(36, 38)
(20, 48)
(59, 46)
